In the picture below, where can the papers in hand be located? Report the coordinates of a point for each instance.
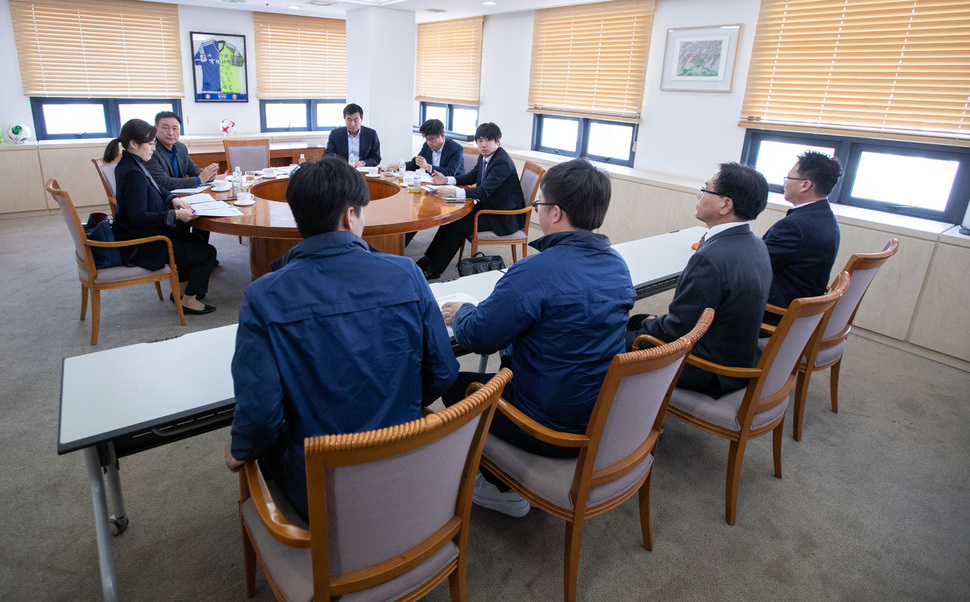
(456, 298)
(434, 189)
(205, 206)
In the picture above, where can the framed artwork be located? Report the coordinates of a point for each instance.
(220, 67)
(700, 59)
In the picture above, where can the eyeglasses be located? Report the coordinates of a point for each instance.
(535, 205)
(703, 190)
(786, 178)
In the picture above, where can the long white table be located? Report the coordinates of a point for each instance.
(137, 408)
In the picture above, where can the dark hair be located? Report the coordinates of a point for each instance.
(488, 131)
(823, 171)
(166, 115)
(135, 130)
(581, 190)
(353, 108)
(319, 193)
(432, 127)
(747, 188)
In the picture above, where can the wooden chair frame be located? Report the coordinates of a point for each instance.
(359, 448)
(753, 402)
(527, 211)
(86, 264)
(808, 365)
(585, 477)
(226, 143)
(112, 201)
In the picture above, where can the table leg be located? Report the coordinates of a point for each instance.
(264, 250)
(118, 520)
(101, 527)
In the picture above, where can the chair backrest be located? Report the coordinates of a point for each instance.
(82, 252)
(471, 158)
(247, 155)
(376, 496)
(786, 346)
(530, 179)
(631, 404)
(862, 268)
(106, 171)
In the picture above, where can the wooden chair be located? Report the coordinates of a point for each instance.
(106, 171)
(97, 280)
(470, 157)
(828, 349)
(760, 408)
(616, 451)
(389, 509)
(530, 179)
(247, 155)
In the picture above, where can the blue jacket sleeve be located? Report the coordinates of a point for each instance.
(501, 318)
(439, 368)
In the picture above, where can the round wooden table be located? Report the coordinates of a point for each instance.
(391, 213)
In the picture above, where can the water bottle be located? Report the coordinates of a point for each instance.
(402, 168)
(302, 158)
(236, 181)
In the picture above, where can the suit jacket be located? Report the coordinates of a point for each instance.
(452, 158)
(802, 247)
(499, 189)
(731, 273)
(160, 167)
(370, 145)
(144, 209)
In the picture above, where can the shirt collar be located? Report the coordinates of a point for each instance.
(722, 227)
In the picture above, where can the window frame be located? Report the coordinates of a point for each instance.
(582, 138)
(311, 113)
(449, 120)
(112, 114)
(849, 149)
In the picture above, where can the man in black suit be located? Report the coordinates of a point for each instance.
(730, 272)
(355, 139)
(496, 186)
(438, 153)
(803, 245)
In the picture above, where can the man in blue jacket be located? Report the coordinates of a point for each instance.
(561, 314)
(340, 339)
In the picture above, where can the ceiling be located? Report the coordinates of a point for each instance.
(424, 10)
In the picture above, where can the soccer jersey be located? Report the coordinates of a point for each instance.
(208, 58)
(230, 60)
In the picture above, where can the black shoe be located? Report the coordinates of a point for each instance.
(423, 262)
(430, 274)
(208, 309)
(217, 263)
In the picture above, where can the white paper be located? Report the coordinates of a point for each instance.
(198, 198)
(215, 209)
(191, 190)
(456, 298)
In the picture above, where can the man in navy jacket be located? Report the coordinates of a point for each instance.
(438, 154)
(803, 245)
(355, 139)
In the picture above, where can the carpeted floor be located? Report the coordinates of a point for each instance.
(874, 502)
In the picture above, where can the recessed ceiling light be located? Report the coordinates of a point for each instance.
(489, 3)
(435, 10)
(293, 7)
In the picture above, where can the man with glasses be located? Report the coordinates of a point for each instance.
(558, 315)
(171, 166)
(730, 272)
(803, 245)
(438, 154)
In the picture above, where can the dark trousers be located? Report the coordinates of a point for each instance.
(447, 242)
(195, 261)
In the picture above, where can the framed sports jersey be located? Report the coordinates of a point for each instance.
(220, 67)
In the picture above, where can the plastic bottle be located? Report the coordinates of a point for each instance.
(402, 168)
(302, 159)
(236, 182)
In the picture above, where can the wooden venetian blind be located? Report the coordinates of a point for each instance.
(590, 60)
(883, 68)
(300, 57)
(98, 48)
(449, 61)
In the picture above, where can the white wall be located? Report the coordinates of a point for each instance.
(14, 106)
(506, 54)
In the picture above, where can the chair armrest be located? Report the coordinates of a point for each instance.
(527, 209)
(274, 521)
(769, 329)
(646, 338)
(128, 243)
(736, 372)
(530, 426)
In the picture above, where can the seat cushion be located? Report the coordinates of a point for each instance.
(121, 272)
(723, 411)
(551, 478)
(828, 355)
(489, 235)
(292, 568)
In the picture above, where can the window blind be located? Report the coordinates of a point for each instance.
(876, 68)
(300, 57)
(449, 61)
(590, 60)
(98, 48)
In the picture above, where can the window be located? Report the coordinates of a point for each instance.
(908, 178)
(301, 72)
(81, 86)
(587, 78)
(448, 74)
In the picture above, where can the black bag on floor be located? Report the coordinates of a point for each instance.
(480, 262)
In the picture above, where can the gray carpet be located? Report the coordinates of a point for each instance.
(873, 504)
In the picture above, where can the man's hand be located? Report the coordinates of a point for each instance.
(209, 173)
(232, 464)
(422, 163)
(437, 178)
(448, 311)
(179, 203)
(446, 191)
(359, 164)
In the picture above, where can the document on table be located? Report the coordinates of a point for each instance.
(198, 198)
(449, 199)
(191, 190)
(456, 298)
(206, 206)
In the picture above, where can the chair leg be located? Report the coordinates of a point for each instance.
(801, 393)
(574, 537)
(457, 584)
(834, 384)
(776, 436)
(525, 247)
(84, 301)
(158, 289)
(514, 258)
(461, 250)
(735, 456)
(174, 283)
(249, 562)
(95, 315)
(645, 513)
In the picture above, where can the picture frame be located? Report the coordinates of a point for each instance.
(700, 59)
(219, 67)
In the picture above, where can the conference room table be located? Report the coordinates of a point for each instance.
(393, 211)
(281, 154)
(104, 423)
